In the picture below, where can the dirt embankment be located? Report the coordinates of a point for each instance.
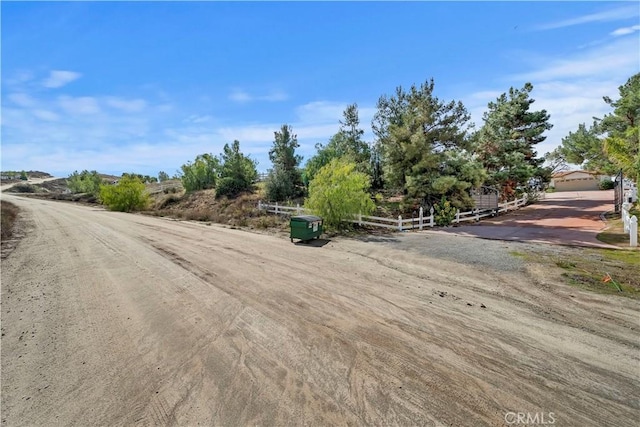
(118, 319)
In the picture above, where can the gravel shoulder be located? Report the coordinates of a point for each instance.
(118, 319)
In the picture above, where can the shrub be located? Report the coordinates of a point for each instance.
(338, 192)
(8, 216)
(444, 213)
(23, 188)
(126, 196)
(84, 182)
(606, 184)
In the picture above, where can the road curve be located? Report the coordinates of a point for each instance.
(120, 319)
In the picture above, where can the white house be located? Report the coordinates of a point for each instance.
(576, 180)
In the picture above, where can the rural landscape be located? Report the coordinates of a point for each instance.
(454, 268)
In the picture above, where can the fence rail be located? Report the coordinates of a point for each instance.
(162, 186)
(419, 222)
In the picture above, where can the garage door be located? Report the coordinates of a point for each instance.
(581, 184)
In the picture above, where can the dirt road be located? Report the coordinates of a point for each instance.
(118, 319)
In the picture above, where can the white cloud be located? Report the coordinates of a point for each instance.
(22, 99)
(617, 14)
(79, 105)
(46, 115)
(625, 30)
(242, 96)
(617, 58)
(59, 78)
(126, 105)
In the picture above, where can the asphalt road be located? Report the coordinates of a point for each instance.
(119, 319)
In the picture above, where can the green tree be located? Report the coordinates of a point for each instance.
(347, 142)
(506, 142)
(23, 176)
(163, 176)
(339, 192)
(423, 146)
(125, 196)
(555, 161)
(585, 147)
(85, 182)
(622, 128)
(284, 180)
(237, 171)
(201, 173)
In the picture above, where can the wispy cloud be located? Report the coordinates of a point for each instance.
(59, 78)
(79, 105)
(242, 96)
(625, 30)
(619, 13)
(608, 59)
(22, 99)
(126, 105)
(570, 88)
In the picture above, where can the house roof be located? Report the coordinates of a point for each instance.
(565, 173)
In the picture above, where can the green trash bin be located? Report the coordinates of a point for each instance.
(305, 227)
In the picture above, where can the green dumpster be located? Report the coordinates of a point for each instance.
(305, 227)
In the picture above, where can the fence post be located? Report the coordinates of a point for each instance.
(477, 214)
(633, 231)
(399, 222)
(431, 217)
(298, 208)
(259, 205)
(625, 217)
(276, 208)
(420, 223)
(360, 219)
(457, 216)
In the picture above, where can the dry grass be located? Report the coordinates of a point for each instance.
(8, 216)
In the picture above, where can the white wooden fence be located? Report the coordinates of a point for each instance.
(630, 225)
(159, 187)
(400, 224)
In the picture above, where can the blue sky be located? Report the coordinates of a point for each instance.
(147, 86)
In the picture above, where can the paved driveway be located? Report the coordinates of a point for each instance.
(566, 218)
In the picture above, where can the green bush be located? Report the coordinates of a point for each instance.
(85, 182)
(444, 213)
(339, 192)
(126, 196)
(606, 184)
(23, 188)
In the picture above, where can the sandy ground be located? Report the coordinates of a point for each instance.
(119, 319)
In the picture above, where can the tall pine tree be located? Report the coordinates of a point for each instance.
(506, 142)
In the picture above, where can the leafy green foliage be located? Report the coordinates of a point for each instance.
(444, 213)
(347, 143)
(584, 147)
(23, 176)
(284, 181)
(613, 142)
(163, 176)
(505, 143)
(201, 173)
(339, 192)
(125, 196)
(606, 184)
(423, 145)
(622, 128)
(237, 171)
(142, 178)
(85, 182)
